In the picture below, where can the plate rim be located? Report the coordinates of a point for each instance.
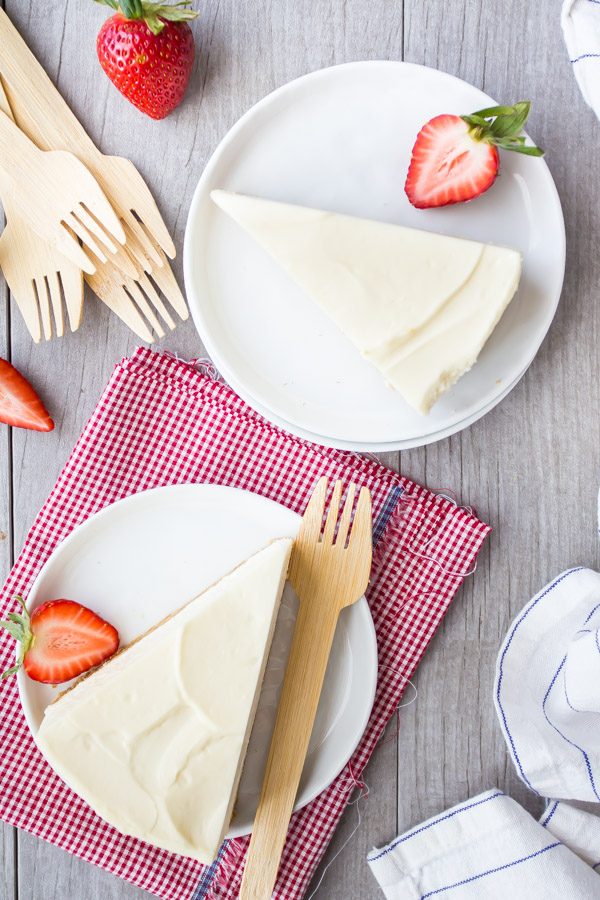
(362, 607)
(220, 361)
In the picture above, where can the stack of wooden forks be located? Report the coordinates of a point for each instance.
(73, 213)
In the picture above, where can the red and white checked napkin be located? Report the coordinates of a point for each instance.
(161, 421)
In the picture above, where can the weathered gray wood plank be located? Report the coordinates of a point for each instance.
(8, 836)
(530, 467)
(8, 840)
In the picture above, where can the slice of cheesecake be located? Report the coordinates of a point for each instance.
(154, 740)
(419, 306)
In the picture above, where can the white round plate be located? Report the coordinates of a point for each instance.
(393, 445)
(136, 561)
(341, 139)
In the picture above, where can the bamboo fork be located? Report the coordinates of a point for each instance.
(39, 277)
(57, 196)
(135, 300)
(42, 113)
(328, 573)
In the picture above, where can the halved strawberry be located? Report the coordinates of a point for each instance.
(455, 158)
(20, 406)
(60, 640)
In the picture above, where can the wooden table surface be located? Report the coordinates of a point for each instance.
(530, 467)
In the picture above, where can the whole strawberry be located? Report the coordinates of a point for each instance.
(147, 51)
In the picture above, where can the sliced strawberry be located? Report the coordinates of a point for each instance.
(61, 640)
(455, 158)
(20, 406)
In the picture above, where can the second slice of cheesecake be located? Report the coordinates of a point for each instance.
(155, 739)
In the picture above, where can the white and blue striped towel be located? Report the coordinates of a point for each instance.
(490, 847)
(581, 27)
(547, 691)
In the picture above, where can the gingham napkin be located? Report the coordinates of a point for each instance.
(161, 421)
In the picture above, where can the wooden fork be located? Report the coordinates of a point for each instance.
(328, 572)
(135, 300)
(57, 195)
(42, 113)
(39, 277)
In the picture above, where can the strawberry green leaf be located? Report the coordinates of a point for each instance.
(501, 126)
(154, 14)
(14, 630)
(493, 111)
(527, 149)
(131, 9)
(18, 626)
(10, 671)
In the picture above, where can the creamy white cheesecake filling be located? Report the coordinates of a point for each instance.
(155, 739)
(420, 306)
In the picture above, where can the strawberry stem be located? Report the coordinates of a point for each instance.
(19, 627)
(502, 127)
(155, 15)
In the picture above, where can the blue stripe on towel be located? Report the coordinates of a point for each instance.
(585, 56)
(550, 810)
(515, 862)
(521, 618)
(563, 736)
(208, 874)
(416, 831)
(386, 511)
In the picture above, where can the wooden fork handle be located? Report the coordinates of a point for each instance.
(16, 150)
(38, 107)
(305, 671)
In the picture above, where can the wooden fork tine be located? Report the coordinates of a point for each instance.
(148, 245)
(53, 285)
(313, 516)
(152, 295)
(78, 228)
(43, 306)
(69, 246)
(30, 311)
(133, 288)
(332, 514)
(94, 227)
(167, 283)
(342, 534)
(105, 215)
(72, 288)
(137, 252)
(113, 295)
(363, 519)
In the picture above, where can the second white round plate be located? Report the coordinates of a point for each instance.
(138, 560)
(341, 139)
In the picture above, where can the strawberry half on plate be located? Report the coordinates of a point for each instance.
(456, 158)
(60, 640)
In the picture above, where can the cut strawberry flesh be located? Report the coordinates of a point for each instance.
(68, 640)
(448, 165)
(20, 406)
